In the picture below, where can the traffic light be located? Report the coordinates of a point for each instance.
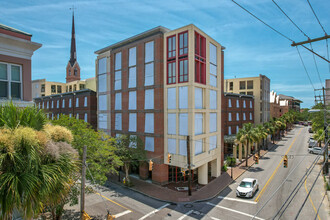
(257, 158)
(183, 171)
(169, 158)
(151, 165)
(109, 217)
(285, 161)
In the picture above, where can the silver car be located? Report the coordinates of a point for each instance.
(247, 188)
(315, 150)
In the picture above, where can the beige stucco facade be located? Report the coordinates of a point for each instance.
(259, 87)
(199, 160)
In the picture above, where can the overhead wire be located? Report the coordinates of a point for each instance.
(302, 61)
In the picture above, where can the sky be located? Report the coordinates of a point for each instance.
(251, 47)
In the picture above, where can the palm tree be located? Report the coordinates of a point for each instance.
(245, 135)
(319, 136)
(269, 129)
(35, 169)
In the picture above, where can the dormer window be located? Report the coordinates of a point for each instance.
(69, 72)
(75, 71)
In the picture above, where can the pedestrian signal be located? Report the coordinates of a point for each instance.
(151, 165)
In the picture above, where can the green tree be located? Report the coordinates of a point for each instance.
(35, 161)
(259, 134)
(319, 136)
(130, 149)
(269, 129)
(245, 135)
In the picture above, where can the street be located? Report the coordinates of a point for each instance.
(127, 204)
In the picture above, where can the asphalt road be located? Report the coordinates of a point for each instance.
(125, 204)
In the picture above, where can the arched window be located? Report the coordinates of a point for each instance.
(75, 71)
(69, 72)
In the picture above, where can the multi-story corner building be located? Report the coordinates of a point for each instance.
(275, 109)
(42, 87)
(259, 87)
(238, 109)
(80, 104)
(163, 86)
(288, 103)
(16, 50)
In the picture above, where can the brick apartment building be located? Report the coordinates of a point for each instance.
(162, 86)
(81, 104)
(281, 104)
(275, 109)
(16, 50)
(238, 109)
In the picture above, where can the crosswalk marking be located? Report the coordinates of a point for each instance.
(153, 212)
(122, 213)
(237, 200)
(185, 215)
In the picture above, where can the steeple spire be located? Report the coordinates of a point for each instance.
(73, 54)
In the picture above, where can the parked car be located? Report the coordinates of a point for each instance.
(311, 142)
(310, 130)
(315, 150)
(305, 123)
(247, 188)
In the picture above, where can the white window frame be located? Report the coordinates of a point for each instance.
(171, 123)
(132, 123)
(171, 146)
(150, 144)
(213, 122)
(149, 63)
(9, 80)
(132, 100)
(118, 121)
(199, 123)
(149, 99)
(118, 101)
(149, 123)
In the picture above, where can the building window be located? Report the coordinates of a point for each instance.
(250, 84)
(183, 43)
(86, 117)
(213, 122)
(81, 86)
(149, 64)
(200, 59)
(132, 100)
(229, 116)
(171, 146)
(213, 99)
(231, 85)
(102, 83)
(229, 103)
(237, 116)
(249, 93)
(183, 124)
(132, 68)
(52, 116)
(150, 144)
(85, 101)
(63, 103)
(149, 99)
(47, 104)
(250, 116)
(171, 123)
(70, 103)
(242, 85)
(237, 129)
(43, 105)
(53, 88)
(102, 65)
(183, 147)
(118, 71)
(39, 105)
(75, 71)
(171, 47)
(58, 115)
(59, 89)
(198, 146)
(183, 70)
(43, 88)
(118, 121)
(244, 104)
(102, 121)
(213, 65)
(77, 116)
(149, 123)
(237, 103)
(70, 115)
(229, 130)
(198, 98)
(77, 102)
(183, 97)
(70, 88)
(250, 104)
(171, 72)
(10, 81)
(242, 93)
(74, 87)
(198, 123)
(102, 102)
(52, 104)
(58, 104)
(171, 98)
(118, 101)
(213, 142)
(132, 122)
(244, 116)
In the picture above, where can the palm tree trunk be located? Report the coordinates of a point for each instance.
(246, 153)
(126, 166)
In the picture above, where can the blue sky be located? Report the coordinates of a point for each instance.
(251, 47)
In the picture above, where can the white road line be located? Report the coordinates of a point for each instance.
(153, 212)
(215, 218)
(122, 213)
(233, 210)
(185, 215)
(238, 200)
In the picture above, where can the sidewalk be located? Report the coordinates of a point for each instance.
(208, 191)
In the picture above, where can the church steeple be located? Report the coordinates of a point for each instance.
(73, 55)
(73, 69)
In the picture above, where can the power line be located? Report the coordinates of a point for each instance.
(290, 19)
(316, 17)
(317, 69)
(305, 69)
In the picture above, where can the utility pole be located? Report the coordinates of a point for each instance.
(294, 44)
(189, 166)
(325, 155)
(83, 180)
